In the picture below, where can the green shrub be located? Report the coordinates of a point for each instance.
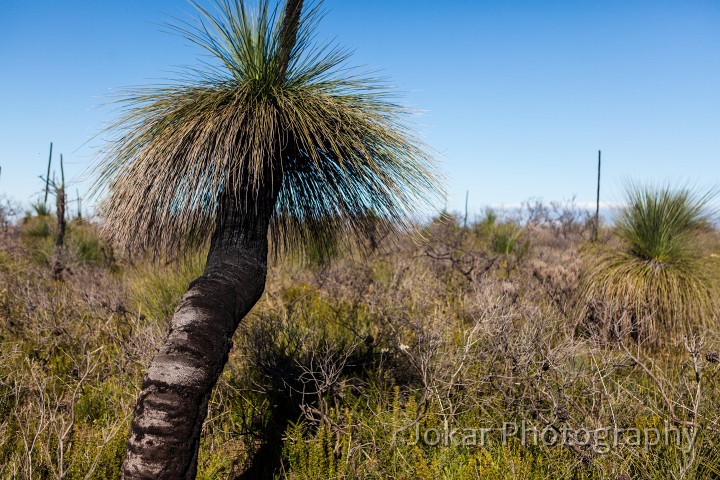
(335, 366)
(85, 245)
(41, 209)
(38, 226)
(157, 289)
(100, 457)
(656, 284)
(505, 238)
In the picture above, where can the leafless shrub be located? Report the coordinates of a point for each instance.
(9, 212)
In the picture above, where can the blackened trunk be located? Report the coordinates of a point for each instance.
(171, 408)
(288, 35)
(58, 261)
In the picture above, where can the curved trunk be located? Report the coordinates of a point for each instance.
(171, 408)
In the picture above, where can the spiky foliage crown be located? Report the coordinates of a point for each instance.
(177, 148)
(661, 225)
(658, 283)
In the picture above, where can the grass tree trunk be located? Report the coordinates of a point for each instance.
(171, 408)
(58, 260)
(58, 265)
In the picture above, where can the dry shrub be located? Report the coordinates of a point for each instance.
(341, 361)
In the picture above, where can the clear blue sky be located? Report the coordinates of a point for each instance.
(518, 95)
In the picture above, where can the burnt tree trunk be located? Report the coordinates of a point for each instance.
(171, 408)
(58, 260)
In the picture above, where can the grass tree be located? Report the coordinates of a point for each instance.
(658, 283)
(273, 145)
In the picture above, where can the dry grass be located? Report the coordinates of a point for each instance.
(343, 360)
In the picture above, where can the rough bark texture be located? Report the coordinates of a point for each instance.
(288, 36)
(172, 406)
(171, 409)
(58, 266)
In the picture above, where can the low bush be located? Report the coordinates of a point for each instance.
(342, 365)
(658, 283)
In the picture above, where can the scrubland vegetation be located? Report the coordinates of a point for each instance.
(516, 319)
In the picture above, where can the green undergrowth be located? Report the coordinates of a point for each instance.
(345, 361)
(157, 288)
(83, 246)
